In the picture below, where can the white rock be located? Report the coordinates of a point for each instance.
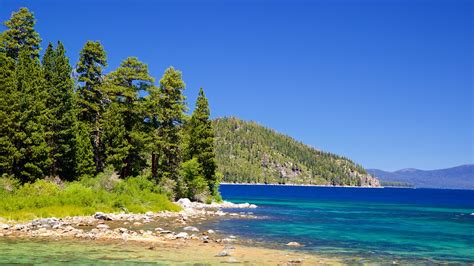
(191, 228)
(294, 244)
(182, 235)
(210, 231)
(4, 226)
(185, 203)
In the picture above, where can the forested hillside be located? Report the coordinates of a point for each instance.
(250, 153)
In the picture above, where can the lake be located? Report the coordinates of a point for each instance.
(372, 224)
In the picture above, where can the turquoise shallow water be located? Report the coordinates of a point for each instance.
(411, 225)
(374, 226)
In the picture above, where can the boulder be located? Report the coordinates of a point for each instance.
(210, 231)
(102, 216)
(185, 203)
(4, 226)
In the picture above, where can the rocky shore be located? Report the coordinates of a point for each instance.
(155, 229)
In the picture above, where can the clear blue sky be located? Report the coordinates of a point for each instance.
(387, 83)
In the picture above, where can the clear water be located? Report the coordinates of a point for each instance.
(374, 226)
(411, 225)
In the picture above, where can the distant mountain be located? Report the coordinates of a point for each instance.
(456, 177)
(250, 153)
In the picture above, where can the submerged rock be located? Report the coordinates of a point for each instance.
(223, 253)
(191, 228)
(293, 244)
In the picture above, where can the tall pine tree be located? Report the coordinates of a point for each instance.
(200, 141)
(90, 99)
(33, 159)
(124, 130)
(59, 104)
(9, 102)
(167, 104)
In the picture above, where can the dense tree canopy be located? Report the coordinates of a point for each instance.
(53, 125)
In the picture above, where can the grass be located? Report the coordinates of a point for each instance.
(102, 193)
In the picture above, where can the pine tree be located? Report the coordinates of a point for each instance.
(59, 104)
(200, 142)
(92, 60)
(83, 150)
(9, 100)
(167, 105)
(32, 160)
(125, 135)
(20, 35)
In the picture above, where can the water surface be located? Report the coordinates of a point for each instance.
(411, 225)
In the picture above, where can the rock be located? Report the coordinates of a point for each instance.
(149, 213)
(102, 216)
(122, 230)
(19, 227)
(191, 228)
(185, 203)
(137, 224)
(4, 226)
(102, 227)
(210, 231)
(159, 229)
(293, 244)
(223, 253)
(182, 235)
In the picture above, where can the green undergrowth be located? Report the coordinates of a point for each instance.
(102, 193)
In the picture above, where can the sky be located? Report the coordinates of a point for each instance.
(387, 83)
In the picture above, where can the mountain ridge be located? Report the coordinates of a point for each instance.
(248, 152)
(456, 177)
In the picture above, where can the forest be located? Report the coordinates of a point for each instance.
(82, 128)
(250, 153)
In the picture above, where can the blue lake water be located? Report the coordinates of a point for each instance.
(417, 225)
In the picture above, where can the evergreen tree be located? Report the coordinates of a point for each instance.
(9, 101)
(59, 105)
(200, 143)
(32, 160)
(92, 60)
(20, 35)
(83, 150)
(125, 136)
(167, 105)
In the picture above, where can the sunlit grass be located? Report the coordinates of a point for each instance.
(45, 199)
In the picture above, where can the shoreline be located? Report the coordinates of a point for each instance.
(175, 236)
(297, 185)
